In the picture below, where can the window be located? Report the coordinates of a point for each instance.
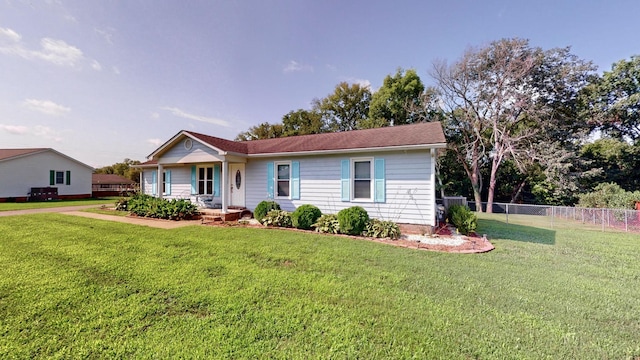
(362, 181)
(205, 181)
(164, 182)
(59, 177)
(283, 179)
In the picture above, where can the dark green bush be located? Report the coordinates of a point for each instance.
(382, 229)
(149, 206)
(278, 218)
(263, 208)
(305, 216)
(353, 220)
(462, 218)
(327, 224)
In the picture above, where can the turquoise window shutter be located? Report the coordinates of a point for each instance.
(154, 182)
(295, 180)
(345, 180)
(194, 184)
(68, 180)
(52, 177)
(167, 181)
(379, 181)
(216, 179)
(270, 181)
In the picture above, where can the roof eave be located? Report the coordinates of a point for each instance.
(358, 150)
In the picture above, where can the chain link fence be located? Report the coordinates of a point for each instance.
(604, 219)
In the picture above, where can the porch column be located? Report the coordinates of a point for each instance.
(159, 181)
(141, 181)
(224, 193)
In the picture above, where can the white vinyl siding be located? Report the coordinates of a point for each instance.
(18, 176)
(199, 153)
(410, 193)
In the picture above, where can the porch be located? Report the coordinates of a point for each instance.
(233, 213)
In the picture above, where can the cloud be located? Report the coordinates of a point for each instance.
(38, 131)
(15, 129)
(96, 65)
(155, 115)
(55, 51)
(155, 142)
(116, 71)
(179, 113)
(46, 107)
(294, 66)
(362, 82)
(106, 34)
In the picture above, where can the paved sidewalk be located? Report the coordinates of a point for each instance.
(74, 211)
(156, 223)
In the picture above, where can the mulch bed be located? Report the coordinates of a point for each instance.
(472, 243)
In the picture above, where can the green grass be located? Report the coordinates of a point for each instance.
(72, 287)
(9, 206)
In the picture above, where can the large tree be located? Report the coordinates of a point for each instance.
(345, 108)
(123, 169)
(262, 131)
(612, 102)
(498, 100)
(391, 104)
(303, 122)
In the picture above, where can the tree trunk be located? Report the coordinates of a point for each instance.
(492, 183)
(518, 191)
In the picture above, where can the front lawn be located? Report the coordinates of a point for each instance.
(73, 287)
(8, 206)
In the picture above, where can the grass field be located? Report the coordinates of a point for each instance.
(73, 287)
(9, 206)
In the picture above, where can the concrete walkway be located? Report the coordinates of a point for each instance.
(74, 211)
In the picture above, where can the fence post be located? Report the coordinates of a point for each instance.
(553, 215)
(602, 219)
(507, 213)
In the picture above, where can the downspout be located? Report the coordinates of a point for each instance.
(433, 187)
(159, 181)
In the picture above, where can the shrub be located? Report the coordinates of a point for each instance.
(463, 218)
(382, 229)
(278, 218)
(609, 195)
(327, 224)
(305, 216)
(353, 220)
(149, 206)
(263, 208)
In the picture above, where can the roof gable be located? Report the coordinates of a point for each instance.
(10, 154)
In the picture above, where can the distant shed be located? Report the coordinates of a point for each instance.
(111, 185)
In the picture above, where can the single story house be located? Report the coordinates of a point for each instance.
(42, 174)
(388, 171)
(111, 185)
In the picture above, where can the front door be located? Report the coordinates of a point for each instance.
(236, 184)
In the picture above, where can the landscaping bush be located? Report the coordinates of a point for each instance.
(353, 220)
(327, 224)
(149, 206)
(463, 218)
(382, 229)
(278, 218)
(305, 216)
(263, 208)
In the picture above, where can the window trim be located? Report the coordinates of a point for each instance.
(276, 180)
(352, 180)
(205, 180)
(59, 181)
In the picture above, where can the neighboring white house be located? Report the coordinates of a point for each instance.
(22, 170)
(388, 171)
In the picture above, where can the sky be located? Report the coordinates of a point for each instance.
(104, 81)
